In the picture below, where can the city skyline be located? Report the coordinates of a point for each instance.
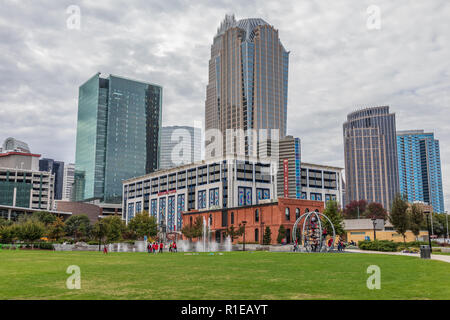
(337, 65)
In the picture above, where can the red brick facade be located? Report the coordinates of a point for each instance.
(258, 217)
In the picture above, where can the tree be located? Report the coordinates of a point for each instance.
(30, 230)
(375, 210)
(56, 229)
(439, 224)
(233, 232)
(416, 218)
(399, 216)
(78, 226)
(267, 239)
(115, 228)
(142, 224)
(333, 213)
(355, 209)
(99, 231)
(45, 217)
(281, 233)
(7, 233)
(194, 230)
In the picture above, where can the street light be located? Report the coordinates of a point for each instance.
(374, 222)
(162, 227)
(100, 234)
(262, 232)
(429, 234)
(446, 213)
(244, 223)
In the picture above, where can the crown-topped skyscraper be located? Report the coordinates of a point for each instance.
(248, 82)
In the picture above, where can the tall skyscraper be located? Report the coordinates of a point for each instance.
(419, 164)
(117, 135)
(180, 145)
(57, 168)
(69, 178)
(248, 82)
(371, 165)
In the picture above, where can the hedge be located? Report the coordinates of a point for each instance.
(379, 245)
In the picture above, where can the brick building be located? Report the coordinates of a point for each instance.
(273, 214)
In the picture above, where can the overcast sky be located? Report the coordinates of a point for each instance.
(337, 64)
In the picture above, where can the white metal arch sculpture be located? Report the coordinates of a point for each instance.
(312, 239)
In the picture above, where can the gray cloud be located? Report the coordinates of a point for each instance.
(336, 64)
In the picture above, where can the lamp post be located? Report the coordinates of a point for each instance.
(446, 214)
(163, 231)
(374, 222)
(262, 233)
(100, 235)
(429, 233)
(244, 223)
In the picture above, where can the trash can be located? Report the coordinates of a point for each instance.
(425, 252)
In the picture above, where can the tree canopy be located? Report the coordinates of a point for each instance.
(399, 216)
(142, 224)
(333, 213)
(78, 226)
(355, 209)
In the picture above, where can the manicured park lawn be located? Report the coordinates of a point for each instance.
(233, 275)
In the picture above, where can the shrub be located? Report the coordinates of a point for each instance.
(44, 245)
(379, 245)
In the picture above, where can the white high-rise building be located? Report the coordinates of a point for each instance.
(68, 180)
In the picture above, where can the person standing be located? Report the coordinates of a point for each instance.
(105, 249)
(155, 247)
(175, 247)
(161, 246)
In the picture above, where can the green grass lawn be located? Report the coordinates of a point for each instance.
(233, 275)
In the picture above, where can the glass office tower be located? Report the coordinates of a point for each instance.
(371, 165)
(117, 135)
(419, 164)
(248, 82)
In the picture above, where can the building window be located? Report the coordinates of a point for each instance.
(202, 199)
(306, 210)
(232, 218)
(214, 197)
(256, 215)
(288, 214)
(297, 213)
(244, 196)
(210, 220)
(256, 235)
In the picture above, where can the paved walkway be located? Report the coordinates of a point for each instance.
(439, 257)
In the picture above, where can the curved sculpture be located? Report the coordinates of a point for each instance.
(312, 239)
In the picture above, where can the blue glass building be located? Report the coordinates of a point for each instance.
(419, 164)
(118, 136)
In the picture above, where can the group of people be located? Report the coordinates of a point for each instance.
(156, 247)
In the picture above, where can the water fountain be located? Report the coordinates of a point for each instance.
(204, 234)
(228, 244)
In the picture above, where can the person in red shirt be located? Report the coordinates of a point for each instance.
(105, 249)
(174, 247)
(155, 247)
(161, 246)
